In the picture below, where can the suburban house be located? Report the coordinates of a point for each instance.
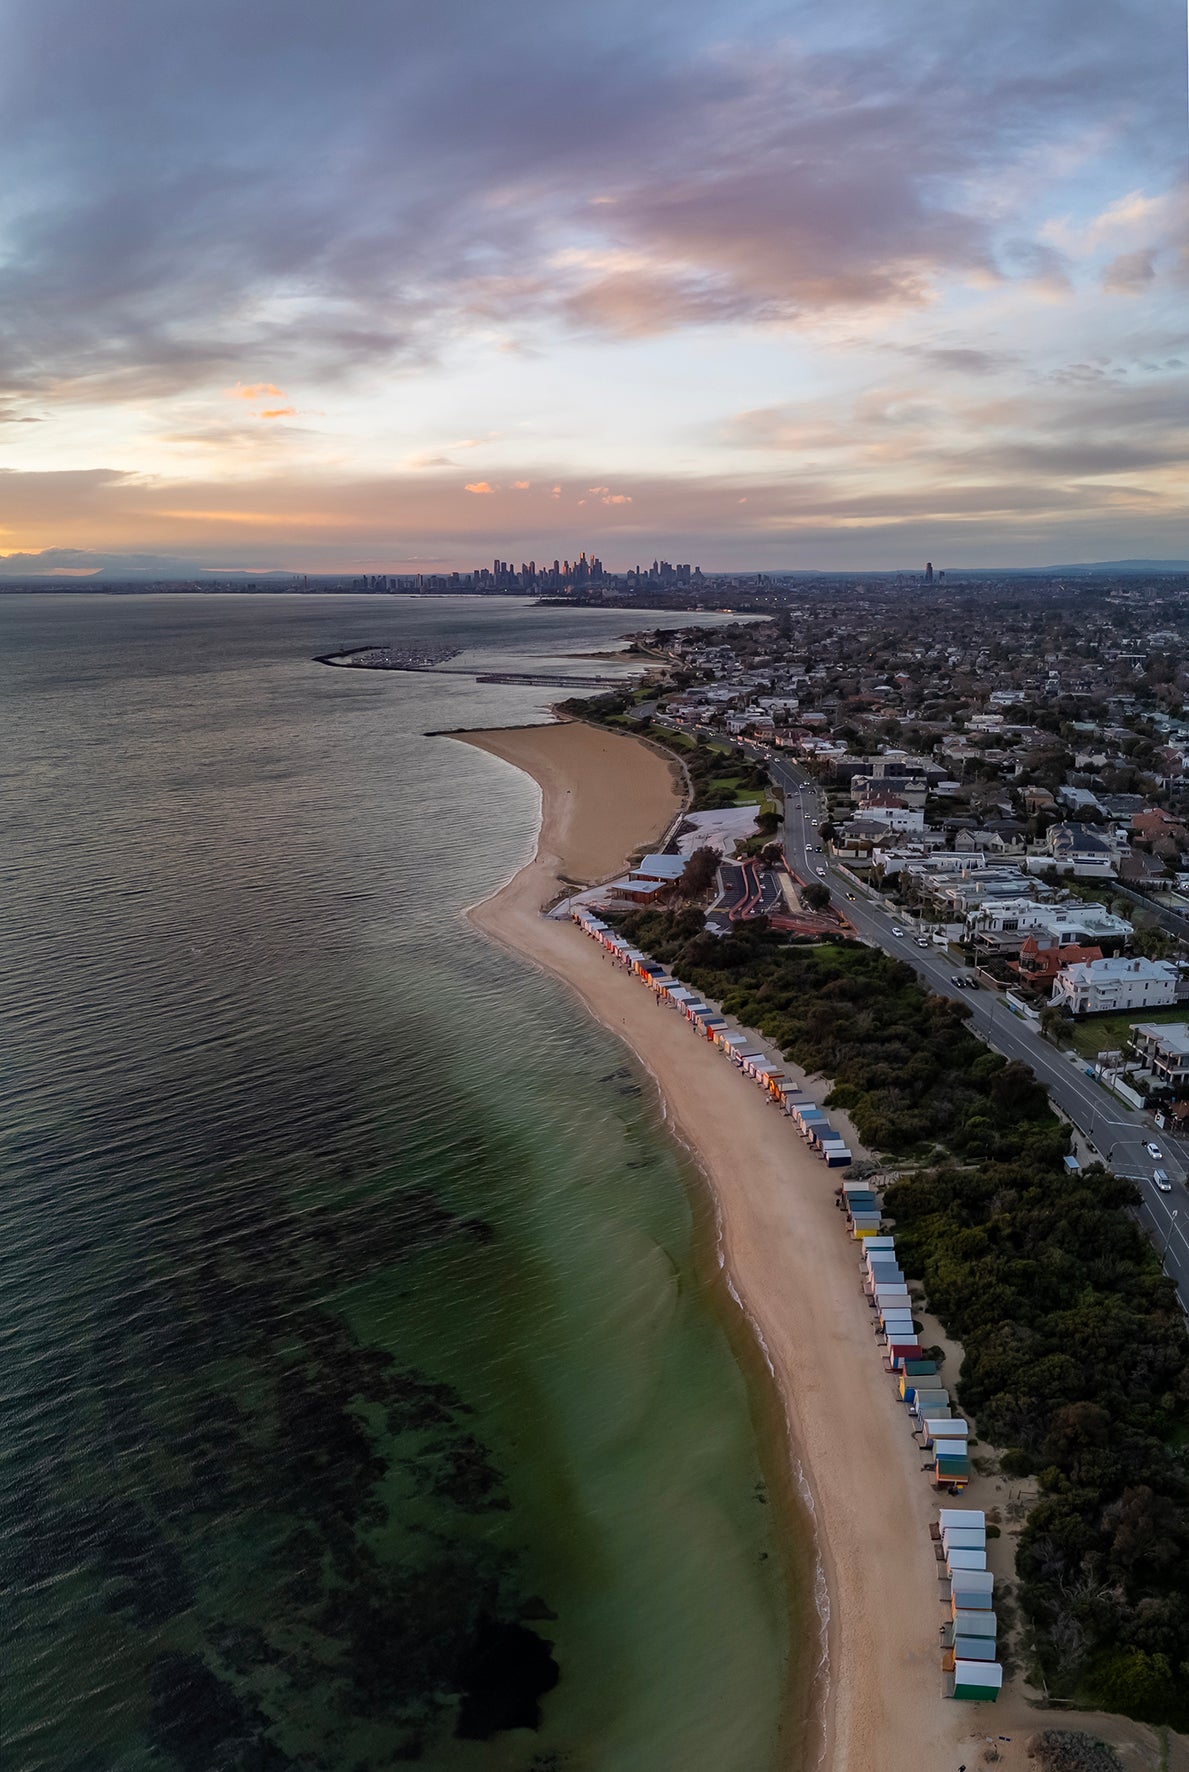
(1164, 1050)
(1039, 963)
(1100, 987)
(1073, 849)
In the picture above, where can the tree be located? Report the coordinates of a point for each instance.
(698, 872)
(1056, 1023)
(816, 896)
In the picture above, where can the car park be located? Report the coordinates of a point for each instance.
(1154, 1151)
(1162, 1181)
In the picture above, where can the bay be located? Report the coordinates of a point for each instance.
(367, 1395)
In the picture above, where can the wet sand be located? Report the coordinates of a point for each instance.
(878, 1704)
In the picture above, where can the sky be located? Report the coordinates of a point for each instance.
(373, 286)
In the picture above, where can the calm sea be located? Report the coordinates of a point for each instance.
(366, 1399)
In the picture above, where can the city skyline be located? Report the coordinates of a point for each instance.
(365, 291)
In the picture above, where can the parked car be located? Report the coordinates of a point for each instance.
(1154, 1151)
(1162, 1181)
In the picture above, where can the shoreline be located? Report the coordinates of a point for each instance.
(850, 1477)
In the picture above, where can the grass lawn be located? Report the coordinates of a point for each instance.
(1110, 1033)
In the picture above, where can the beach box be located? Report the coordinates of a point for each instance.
(974, 1680)
(897, 1349)
(932, 1401)
(971, 1591)
(965, 1559)
(974, 1624)
(974, 1538)
(973, 1649)
(950, 1472)
(837, 1156)
(911, 1373)
(961, 1517)
(946, 1427)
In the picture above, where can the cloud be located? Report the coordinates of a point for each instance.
(479, 486)
(278, 412)
(257, 390)
(1130, 273)
(781, 168)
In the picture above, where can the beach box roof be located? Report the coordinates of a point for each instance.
(974, 1648)
(953, 1428)
(975, 1624)
(965, 1559)
(951, 1466)
(919, 1369)
(837, 1155)
(882, 1245)
(971, 1590)
(961, 1516)
(965, 1538)
(977, 1679)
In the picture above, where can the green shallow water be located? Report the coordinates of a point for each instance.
(367, 1390)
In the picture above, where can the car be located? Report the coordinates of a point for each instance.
(896, 931)
(1154, 1151)
(960, 982)
(822, 872)
(922, 941)
(1162, 1181)
(852, 896)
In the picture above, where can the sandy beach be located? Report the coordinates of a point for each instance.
(878, 1705)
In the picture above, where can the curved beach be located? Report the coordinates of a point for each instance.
(795, 1274)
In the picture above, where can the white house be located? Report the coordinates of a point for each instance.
(1097, 987)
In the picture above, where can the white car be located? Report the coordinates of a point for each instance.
(1162, 1181)
(897, 932)
(822, 872)
(1154, 1152)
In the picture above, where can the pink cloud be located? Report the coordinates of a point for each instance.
(257, 390)
(479, 486)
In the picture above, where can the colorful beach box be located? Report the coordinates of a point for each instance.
(974, 1680)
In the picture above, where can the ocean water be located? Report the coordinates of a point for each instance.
(367, 1395)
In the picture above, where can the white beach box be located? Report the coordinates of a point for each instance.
(961, 1517)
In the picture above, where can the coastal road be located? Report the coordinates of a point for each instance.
(1111, 1130)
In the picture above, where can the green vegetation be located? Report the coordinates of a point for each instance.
(1075, 1364)
(1110, 1033)
(1074, 1345)
(904, 1065)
